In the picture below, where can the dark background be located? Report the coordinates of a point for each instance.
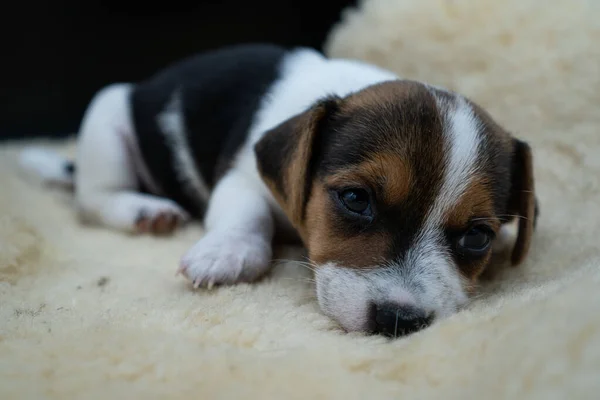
(57, 54)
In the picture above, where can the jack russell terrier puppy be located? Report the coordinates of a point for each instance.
(400, 191)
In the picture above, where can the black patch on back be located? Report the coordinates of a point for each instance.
(220, 93)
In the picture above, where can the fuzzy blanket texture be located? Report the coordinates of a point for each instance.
(90, 313)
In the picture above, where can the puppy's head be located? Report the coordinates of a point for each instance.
(398, 192)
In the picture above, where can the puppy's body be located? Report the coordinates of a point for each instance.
(384, 180)
(191, 119)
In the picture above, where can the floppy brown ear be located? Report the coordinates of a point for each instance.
(522, 201)
(285, 156)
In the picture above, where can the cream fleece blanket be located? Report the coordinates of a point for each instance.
(89, 313)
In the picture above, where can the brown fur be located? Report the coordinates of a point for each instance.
(475, 206)
(477, 202)
(388, 172)
(327, 242)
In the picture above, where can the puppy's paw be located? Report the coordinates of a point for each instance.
(226, 259)
(159, 217)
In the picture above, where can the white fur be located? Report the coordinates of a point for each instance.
(108, 168)
(344, 294)
(46, 165)
(462, 149)
(307, 77)
(507, 236)
(237, 245)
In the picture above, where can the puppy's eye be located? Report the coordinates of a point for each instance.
(475, 241)
(357, 201)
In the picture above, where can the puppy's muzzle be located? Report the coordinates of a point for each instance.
(394, 320)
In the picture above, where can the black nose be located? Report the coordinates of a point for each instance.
(399, 320)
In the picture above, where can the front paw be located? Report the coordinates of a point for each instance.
(225, 259)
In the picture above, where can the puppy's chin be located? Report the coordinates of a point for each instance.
(352, 297)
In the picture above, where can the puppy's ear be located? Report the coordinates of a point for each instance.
(286, 154)
(522, 201)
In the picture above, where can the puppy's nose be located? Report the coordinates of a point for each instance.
(399, 320)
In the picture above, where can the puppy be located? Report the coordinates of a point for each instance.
(400, 191)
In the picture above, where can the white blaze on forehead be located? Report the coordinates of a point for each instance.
(427, 260)
(462, 140)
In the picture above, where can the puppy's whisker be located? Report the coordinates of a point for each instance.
(298, 279)
(290, 260)
(303, 264)
(308, 266)
(501, 216)
(284, 260)
(514, 216)
(310, 262)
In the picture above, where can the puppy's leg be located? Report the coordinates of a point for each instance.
(107, 180)
(237, 244)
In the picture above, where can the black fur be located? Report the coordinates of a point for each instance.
(220, 93)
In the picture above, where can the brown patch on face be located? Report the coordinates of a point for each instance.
(476, 202)
(328, 241)
(388, 173)
(476, 206)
